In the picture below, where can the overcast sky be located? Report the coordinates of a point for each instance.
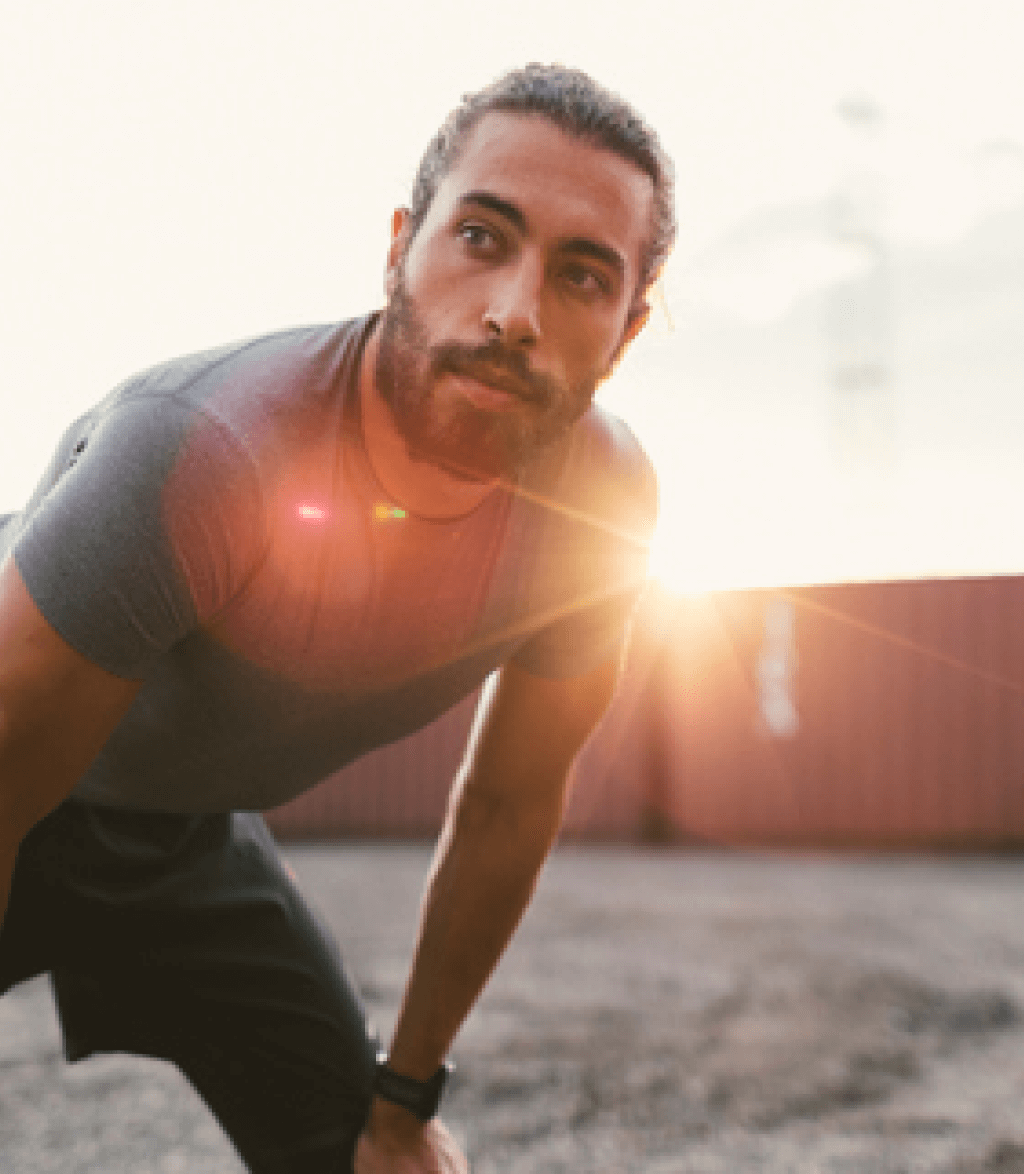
(177, 174)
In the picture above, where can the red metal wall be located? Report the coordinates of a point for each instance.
(908, 711)
(868, 714)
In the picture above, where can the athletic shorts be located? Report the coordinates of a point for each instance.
(183, 937)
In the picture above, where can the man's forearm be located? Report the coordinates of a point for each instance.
(506, 811)
(484, 873)
(505, 814)
(485, 870)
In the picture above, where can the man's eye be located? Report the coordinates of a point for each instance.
(478, 236)
(583, 279)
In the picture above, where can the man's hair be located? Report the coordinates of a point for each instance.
(577, 105)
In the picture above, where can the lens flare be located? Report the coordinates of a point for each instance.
(310, 512)
(384, 512)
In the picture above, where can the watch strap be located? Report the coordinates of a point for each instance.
(419, 1097)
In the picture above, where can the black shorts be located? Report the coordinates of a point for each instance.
(183, 937)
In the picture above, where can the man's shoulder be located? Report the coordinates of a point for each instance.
(611, 444)
(607, 473)
(241, 377)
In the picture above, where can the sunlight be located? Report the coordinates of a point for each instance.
(920, 525)
(716, 555)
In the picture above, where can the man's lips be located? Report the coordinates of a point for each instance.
(492, 390)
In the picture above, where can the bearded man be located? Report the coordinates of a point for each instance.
(247, 567)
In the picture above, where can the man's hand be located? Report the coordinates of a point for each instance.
(394, 1142)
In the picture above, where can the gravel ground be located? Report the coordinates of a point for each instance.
(665, 1012)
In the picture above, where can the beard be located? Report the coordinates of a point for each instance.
(468, 442)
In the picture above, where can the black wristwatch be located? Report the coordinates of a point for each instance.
(420, 1097)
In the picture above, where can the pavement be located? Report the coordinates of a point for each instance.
(661, 1011)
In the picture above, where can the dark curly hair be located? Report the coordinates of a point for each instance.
(577, 105)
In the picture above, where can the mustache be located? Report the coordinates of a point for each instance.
(496, 365)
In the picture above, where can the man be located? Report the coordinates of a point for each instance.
(247, 567)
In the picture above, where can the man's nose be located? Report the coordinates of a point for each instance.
(513, 313)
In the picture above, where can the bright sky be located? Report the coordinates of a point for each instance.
(177, 174)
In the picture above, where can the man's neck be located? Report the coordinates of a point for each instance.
(418, 486)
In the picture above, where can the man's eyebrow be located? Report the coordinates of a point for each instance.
(496, 204)
(605, 253)
(581, 245)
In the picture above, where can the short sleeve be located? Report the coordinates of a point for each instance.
(579, 642)
(603, 555)
(119, 556)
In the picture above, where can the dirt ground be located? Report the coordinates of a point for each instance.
(660, 1011)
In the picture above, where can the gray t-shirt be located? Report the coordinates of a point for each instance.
(214, 528)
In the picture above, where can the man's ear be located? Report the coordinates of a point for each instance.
(637, 320)
(400, 230)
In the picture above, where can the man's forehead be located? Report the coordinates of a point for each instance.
(511, 140)
(535, 165)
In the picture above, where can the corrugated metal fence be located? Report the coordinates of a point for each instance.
(870, 714)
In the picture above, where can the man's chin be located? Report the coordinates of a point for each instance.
(473, 447)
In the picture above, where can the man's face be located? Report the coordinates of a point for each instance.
(512, 300)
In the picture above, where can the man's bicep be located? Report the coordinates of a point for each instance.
(56, 710)
(528, 728)
(147, 529)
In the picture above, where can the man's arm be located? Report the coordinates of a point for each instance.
(56, 711)
(504, 815)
